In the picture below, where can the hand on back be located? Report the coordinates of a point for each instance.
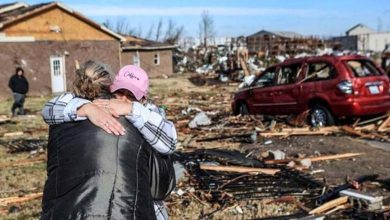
(102, 117)
(116, 107)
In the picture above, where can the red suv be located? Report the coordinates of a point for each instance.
(329, 86)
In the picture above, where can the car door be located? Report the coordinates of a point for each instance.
(285, 93)
(320, 81)
(262, 92)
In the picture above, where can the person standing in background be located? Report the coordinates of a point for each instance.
(19, 86)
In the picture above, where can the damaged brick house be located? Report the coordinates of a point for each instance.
(281, 42)
(154, 57)
(47, 39)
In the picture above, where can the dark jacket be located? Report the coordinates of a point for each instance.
(95, 175)
(18, 84)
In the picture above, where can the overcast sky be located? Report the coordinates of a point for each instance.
(242, 17)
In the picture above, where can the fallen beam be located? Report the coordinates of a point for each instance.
(16, 199)
(335, 157)
(384, 126)
(239, 169)
(329, 205)
(373, 120)
(301, 131)
(352, 131)
(13, 134)
(315, 159)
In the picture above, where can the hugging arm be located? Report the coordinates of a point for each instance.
(66, 108)
(157, 131)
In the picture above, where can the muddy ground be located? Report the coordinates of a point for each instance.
(374, 160)
(179, 93)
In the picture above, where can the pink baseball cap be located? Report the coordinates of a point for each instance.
(132, 78)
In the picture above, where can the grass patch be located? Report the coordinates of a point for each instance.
(32, 105)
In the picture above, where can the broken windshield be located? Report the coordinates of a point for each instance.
(363, 68)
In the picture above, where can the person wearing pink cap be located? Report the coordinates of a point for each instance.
(130, 89)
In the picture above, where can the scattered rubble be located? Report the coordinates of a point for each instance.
(201, 119)
(20, 145)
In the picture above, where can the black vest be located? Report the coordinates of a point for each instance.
(95, 175)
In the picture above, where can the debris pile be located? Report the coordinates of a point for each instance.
(232, 179)
(24, 145)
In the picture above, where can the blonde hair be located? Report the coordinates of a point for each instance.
(92, 80)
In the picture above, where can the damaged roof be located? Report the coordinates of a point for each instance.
(136, 43)
(284, 34)
(359, 26)
(15, 12)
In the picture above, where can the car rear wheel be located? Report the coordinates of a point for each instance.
(243, 109)
(320, 116)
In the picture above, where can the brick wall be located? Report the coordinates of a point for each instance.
(34, 57)
(147, 61)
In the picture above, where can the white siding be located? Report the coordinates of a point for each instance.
(361, 29)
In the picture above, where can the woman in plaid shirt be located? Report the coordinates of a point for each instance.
(130, 88)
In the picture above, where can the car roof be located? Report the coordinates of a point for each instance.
(319, 58)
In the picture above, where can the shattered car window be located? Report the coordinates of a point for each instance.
(289, 74)
(363, 68)
(320, 71)
(266, 79)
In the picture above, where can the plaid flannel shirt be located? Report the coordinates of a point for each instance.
(149, 120)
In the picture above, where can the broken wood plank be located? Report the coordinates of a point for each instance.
(369, 127)
(239, 169)
(301, 131)
(251, 136)
(16, 199)
(372, 120)
(315, 159)
(352, 131)
(12, 134)
(334, 157)
(329, 205)
(4, 120)
(337, 208)
(362, 135)
(384, 125)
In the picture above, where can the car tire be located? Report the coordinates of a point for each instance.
(320, 116)
(243, 109)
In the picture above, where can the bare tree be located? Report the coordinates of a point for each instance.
(175, 35)
(171, 34)
(158, 30)
(169, 30)
(150, 32)
(138, 33)
(120, 25)
(206, 27)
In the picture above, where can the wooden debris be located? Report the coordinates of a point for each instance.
(13, 134)
(334, 157)
(369, 127)
(250, 137)
(315, 159)
(352, 131)
(301, 131)
(16, 199)
(239, 169)
(385, 125)
(4, 120)
(329, 205)
(337, 208)
(272, 125)
(298, 120)
(373, 120)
